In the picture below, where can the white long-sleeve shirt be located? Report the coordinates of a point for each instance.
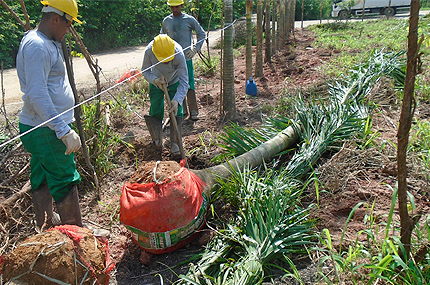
(181, 28)
(174, 70)
(42, 77)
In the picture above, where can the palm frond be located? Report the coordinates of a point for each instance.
(271, 223)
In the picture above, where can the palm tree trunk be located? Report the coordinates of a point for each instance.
(291, 15)
(278, 25)
(268, 54)
(253, 158)
(259, 55)
(274, 18)
(229, 102)
(282, 23)
(248, 38)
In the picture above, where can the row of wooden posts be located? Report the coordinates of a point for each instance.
(278, 21)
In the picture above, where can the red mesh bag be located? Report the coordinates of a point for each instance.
(164, 217)
(130, 75)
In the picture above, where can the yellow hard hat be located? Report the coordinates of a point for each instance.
(163, 48)
(70, 7)
(175, 2)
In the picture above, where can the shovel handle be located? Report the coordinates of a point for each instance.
(174, 123)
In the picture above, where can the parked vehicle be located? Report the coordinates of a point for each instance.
(341, 10)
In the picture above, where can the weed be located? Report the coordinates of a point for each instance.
(207, 140)
(112, 210)
(207, 68)
(368, 136)
(101, 141)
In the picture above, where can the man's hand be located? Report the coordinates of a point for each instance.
(174, 107)
(159, 82)
(191, 52)
(72, 142)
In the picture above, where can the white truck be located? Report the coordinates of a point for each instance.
(383, 7)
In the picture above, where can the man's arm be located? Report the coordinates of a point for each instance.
(201, 34)
(146, 65)
(182, 73)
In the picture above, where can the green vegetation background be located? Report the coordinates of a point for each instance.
(110, 24)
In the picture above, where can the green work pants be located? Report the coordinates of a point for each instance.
(156, 98)
(190, 74)
(48, 162)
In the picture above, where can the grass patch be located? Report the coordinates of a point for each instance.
(354, 41)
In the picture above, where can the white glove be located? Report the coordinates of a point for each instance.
(159, 82)
(174, 107)
(191, 52)
(72, 142)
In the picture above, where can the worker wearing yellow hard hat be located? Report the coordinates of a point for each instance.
(180, 27)
(175, 2)
(47, 116)
(68, 7)
(163, 48)
(164, 65)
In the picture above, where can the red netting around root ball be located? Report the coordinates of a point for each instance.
(65, 253)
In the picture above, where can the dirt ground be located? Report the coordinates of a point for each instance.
(348, 176)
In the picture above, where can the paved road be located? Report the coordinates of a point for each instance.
(113, 64)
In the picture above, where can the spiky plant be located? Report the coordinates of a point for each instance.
(324, 126)
(269, 225)
(270, 222)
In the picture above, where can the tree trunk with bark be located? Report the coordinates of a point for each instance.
(268, 54)
(229, 102)
(405, 121)
(248, 53)
(259, 51)
(274, 24)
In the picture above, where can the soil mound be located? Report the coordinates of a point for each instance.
(66, 253)
(155, 171)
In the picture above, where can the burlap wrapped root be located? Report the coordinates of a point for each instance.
(65, 253)
(163, 216)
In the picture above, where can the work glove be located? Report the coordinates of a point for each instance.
(174, 107)
(191, 52)
(72, 142)
(159, 82)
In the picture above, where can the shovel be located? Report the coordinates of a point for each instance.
(174, 124)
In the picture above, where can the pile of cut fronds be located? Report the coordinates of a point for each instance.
(271, 224)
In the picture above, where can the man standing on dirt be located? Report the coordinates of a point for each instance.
(180, 26)
(164, 65)
(47, 94)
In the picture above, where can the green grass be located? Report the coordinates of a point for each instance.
(353, 41)
(420, 142)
